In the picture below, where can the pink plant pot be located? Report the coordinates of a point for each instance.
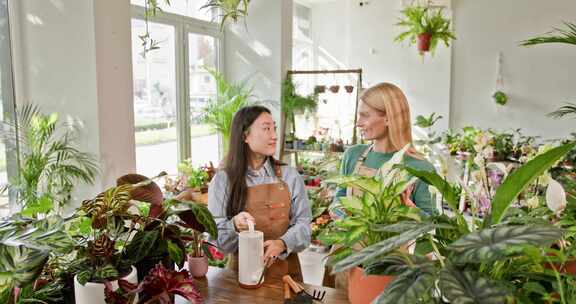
(198, 266)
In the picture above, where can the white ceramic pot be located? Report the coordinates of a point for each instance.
(93, 293)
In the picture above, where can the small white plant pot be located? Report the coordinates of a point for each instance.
(93, 293)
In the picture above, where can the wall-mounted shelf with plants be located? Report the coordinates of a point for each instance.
(425, 27)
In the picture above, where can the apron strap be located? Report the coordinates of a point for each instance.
(362, 158)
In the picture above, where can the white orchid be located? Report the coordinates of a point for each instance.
(533, 202)
(555, 197)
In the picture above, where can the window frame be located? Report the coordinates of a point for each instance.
(8, 99)
(183, 26)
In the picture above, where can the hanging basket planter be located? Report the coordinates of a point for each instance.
(349, 88)
(334, 88)
(319, 89)
(423, 42)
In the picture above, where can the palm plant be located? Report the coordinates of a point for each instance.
(220, 112)
(229, 9)
(50, 164)
(488, 261)
(558, 35)
(568, 109)
(425, 26)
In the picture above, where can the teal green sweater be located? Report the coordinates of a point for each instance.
(420, 195)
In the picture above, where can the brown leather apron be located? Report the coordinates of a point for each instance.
(270, 205)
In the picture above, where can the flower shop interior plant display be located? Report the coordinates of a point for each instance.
(426, 27)
(26, 244)
(168, 229)
(191, 183)
(493, 259)
(380, 205)
(50, 164)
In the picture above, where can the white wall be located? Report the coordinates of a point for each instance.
(537, 79)
(349, 36)
(458, 82)
(73, 57)
(259, 50)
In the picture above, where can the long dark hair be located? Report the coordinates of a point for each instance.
(237, 159)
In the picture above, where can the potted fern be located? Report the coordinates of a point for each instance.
(425, 27)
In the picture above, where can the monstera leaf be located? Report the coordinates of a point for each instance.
(490, 244)
(199, 218)
(461, 287)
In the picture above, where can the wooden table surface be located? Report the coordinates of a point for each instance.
(221, 286)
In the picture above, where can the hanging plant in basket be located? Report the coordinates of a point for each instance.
(500, 98)
(334, 89)
(349, 88)
(425, 27)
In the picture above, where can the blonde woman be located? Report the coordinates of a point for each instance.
(383, 119)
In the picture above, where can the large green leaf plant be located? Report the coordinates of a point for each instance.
(379, 205)
(508, 256)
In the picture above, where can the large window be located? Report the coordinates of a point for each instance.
(168, 98)
(8, 164)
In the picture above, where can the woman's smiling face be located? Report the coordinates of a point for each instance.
(373, 124)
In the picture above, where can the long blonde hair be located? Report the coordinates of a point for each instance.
(389, 99)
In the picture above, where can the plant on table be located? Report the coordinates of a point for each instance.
(483, 260)
(425, 26)
(50, 162)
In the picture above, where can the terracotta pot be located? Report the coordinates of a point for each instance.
(198, 266)
(363, 289)
(349, 88)
(567, 268)
(319, 89)
(93, 293)
(334, 88)
(423, 42)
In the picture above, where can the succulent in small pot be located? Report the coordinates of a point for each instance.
(334, 89)
(349, 88)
